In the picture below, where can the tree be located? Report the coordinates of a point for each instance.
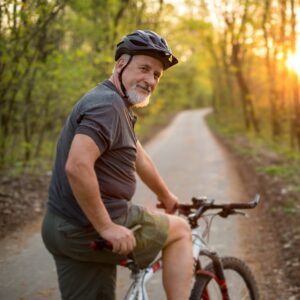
(295, 119)
(24, 28)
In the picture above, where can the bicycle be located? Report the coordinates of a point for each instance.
(225, 278)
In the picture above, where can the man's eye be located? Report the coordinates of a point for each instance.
(157, 76)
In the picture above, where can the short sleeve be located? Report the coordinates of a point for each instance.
(101, 124)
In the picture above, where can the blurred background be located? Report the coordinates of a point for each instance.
(241, 57)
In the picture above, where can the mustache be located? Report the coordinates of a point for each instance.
(144, 86)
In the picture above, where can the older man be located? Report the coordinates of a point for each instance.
(93, 182)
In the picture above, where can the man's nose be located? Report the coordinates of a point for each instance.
(151, 81)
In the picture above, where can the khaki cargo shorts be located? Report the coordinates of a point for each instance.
(87, 274)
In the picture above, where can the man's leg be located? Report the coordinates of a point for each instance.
(85, 280)
(83, 274)
(178, 260)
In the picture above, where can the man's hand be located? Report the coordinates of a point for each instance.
(121, 238)
(170, 202)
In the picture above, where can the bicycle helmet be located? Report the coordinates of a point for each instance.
(146, 42)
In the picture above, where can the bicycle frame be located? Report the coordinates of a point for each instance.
(138, 291)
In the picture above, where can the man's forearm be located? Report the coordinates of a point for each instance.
(86, 190)
(151, 177)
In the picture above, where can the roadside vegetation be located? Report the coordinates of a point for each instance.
(276, 177)
(241, 57)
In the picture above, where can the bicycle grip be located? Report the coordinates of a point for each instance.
(100, 244)
(160, 205)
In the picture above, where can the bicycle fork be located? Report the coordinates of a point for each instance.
(217, 275)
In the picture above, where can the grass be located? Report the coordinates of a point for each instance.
(246, 152)
(284, 171)
(288, 207)
(296, 188)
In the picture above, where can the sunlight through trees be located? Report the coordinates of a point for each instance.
(239, 56)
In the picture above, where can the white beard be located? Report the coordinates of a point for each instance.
(137, 99)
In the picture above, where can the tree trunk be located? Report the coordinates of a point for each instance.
(295, 121)
(248, 108)
(272, 78)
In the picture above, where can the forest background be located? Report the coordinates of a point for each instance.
(240, 57)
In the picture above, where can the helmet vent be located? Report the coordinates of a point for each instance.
(164, 43)
(153, 40)
(138, 43)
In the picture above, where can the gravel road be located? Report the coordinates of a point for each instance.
(191, 162)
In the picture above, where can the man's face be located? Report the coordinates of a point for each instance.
(140, 78)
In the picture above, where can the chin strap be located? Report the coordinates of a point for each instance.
(120, 78)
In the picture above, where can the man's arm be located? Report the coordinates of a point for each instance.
(151, 177)
(82, 178)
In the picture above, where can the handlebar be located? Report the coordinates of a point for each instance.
(209, 204)
(200, 205)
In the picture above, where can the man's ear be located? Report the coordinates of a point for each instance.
(120, 64)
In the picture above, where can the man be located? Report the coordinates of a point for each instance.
(93, 182)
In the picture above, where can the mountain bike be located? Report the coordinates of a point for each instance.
(224, 278)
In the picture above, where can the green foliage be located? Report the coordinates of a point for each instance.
(253, 90)
(222, 126)
(52, 52)
(296, 188)
(277, 170)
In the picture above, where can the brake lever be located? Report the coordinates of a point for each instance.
(226, 213)
(241, 213)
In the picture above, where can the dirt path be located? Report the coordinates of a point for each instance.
(193, 163)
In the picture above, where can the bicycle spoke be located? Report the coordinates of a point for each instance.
(236, 286)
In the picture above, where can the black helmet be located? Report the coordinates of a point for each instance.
(146, 42)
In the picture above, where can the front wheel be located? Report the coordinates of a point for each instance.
(239, 279)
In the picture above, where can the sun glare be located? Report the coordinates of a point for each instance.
(293, 60)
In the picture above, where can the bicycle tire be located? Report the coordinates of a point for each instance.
(232, 267)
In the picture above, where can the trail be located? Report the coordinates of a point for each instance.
(192, 163)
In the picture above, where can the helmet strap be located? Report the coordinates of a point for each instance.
(120, 78)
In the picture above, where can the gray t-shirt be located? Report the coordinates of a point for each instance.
(104, 116)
